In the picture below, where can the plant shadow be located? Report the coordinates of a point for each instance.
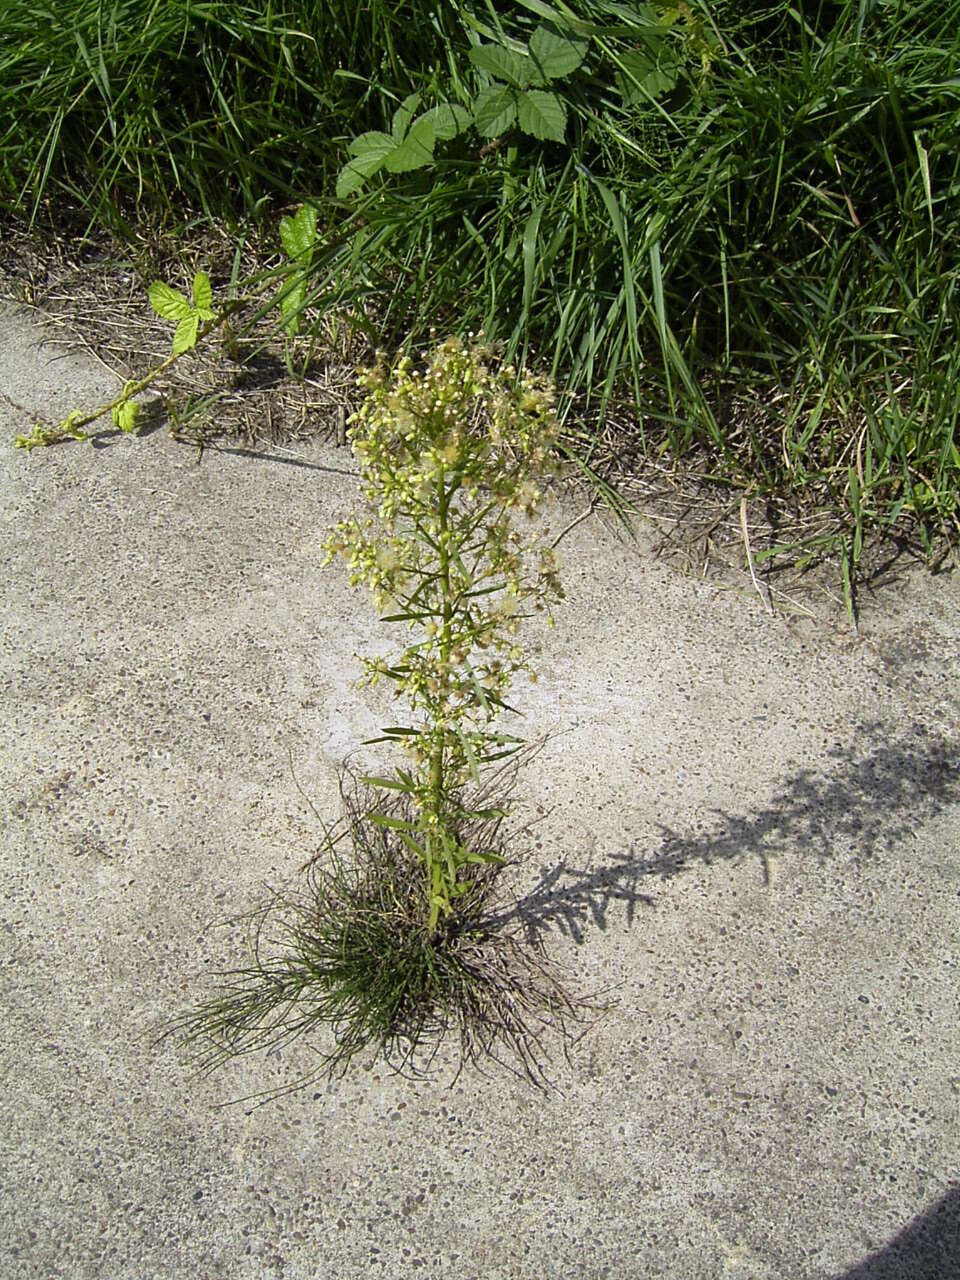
(928, 1247)
(868, 796)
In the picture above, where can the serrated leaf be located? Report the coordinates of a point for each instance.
(515, 68)
(185, 334)
(369, 151)
(299, 233)
(415, 150)
(449, 119)
(494, 110)
(652, 71)
(373, 143)
(350, 179)
(203, 295)
(290, 305)
(403, 115)
(169, 304)
(555, 55)
(125, 415)
(543, 115)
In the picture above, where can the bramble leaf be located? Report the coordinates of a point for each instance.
(203, 295)
(415, 151)
(125, 415)
(449, 119)
(651, 71)
(373, 143)
(403, 115)
(543, 115)
(494, 110)
(555, 55)
(515, 68)
(369, 152)
(185, 334)
(169, 304)
(351, 178)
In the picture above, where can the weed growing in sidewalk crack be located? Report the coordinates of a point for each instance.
(393, 942)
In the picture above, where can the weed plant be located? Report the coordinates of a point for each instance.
(393, 944)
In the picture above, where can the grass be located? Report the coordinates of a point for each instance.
(748, 239)
(350, 955)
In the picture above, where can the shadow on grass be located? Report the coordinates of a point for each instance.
(869, 796)
(928, 1248)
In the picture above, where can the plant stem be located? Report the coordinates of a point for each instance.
(130, 389)
(443, 507)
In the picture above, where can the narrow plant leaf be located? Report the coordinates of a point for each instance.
(169, 304)
(543, 115)
(388, 784)
(496, 859)
(393, 824)
(495, 110)
(415, 848)
(515, 68)
(555, 55)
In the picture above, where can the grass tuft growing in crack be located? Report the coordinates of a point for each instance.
(348, 961)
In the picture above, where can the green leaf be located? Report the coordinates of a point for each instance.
(351, 178)
(651, 71)
(185, 334)
(394, 824)
(168, 303)
(369, 151)
(515, 68)
(412, 845)
(390, 784)
(403, 115)
(298, 234)
(497, 859)
(415, 151)
(555, 55)
(371, 144)
(203, 295)
(125, 415)
(494, 110)
(543, 115)
(449, 119)
(290, 306)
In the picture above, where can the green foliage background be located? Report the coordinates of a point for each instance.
(748, 234)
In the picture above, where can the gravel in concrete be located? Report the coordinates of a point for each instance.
(750, 832)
